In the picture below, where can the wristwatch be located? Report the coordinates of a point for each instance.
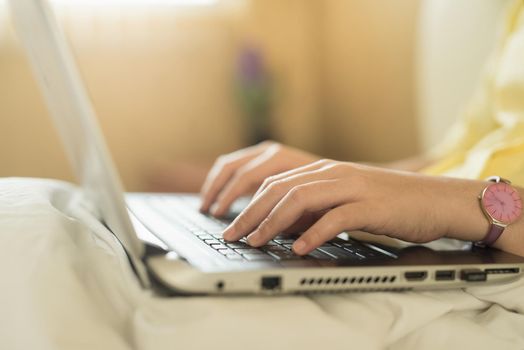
(502, 205)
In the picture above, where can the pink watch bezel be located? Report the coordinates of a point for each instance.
(496, 227)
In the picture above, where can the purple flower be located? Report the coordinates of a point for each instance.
(251, 67)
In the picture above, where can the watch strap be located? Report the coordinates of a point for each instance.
(494, 230)
(493, 234)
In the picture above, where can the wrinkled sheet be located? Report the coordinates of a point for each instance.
(66, 284)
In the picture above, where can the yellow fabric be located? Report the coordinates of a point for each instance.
(489, 137)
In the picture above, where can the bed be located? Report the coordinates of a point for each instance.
(66, 284)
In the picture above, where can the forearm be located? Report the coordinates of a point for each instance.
(465, 218)
(413, 164)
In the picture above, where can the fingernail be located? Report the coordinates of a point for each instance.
(252, 238)
(227, 234)
(214, 210)
(299, 247)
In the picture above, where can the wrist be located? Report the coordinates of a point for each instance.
(463, 216)
(465, 220)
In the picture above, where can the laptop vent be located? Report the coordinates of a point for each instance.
(354, 289)
(346, 281)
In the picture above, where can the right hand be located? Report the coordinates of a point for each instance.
(242, 172)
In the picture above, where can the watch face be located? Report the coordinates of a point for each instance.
(502, 202)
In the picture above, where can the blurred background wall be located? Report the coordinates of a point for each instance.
(342, 78)
(455, 38)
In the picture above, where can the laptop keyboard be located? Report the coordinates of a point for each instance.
(209, 230)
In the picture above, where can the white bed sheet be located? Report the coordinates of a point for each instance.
(66, 285)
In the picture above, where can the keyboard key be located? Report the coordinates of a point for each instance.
(327, 244)
(226, 251)
(283, 255)
(363, 252)
(253, 257)
(317, 254)
(218, 246)
(234, 256)
(211, 241)
(215, 233)
(349, 244)
(249, 251)
(238, 245)
(338, 253)
(274, 248)
(205, 236)
(284, 241)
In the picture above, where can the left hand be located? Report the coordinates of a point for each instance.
(338, 196)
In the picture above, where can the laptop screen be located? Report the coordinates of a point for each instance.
(73, 115)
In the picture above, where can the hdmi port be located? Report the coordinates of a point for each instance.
(415, 275)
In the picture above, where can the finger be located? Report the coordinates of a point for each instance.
(311, 197)
(349, 217)
(245, 181)
(223, 169)
(261, 206)
(216, 179)
(308, 167)
(304, 222)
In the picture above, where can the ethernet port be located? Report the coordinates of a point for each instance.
(271, 283)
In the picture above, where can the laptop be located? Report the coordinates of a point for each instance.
(172, 247)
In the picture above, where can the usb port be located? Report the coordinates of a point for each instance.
(415, 275)
(473, 275)
(445, 275)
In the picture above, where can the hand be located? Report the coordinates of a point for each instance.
(242, 172)
(348, 196)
